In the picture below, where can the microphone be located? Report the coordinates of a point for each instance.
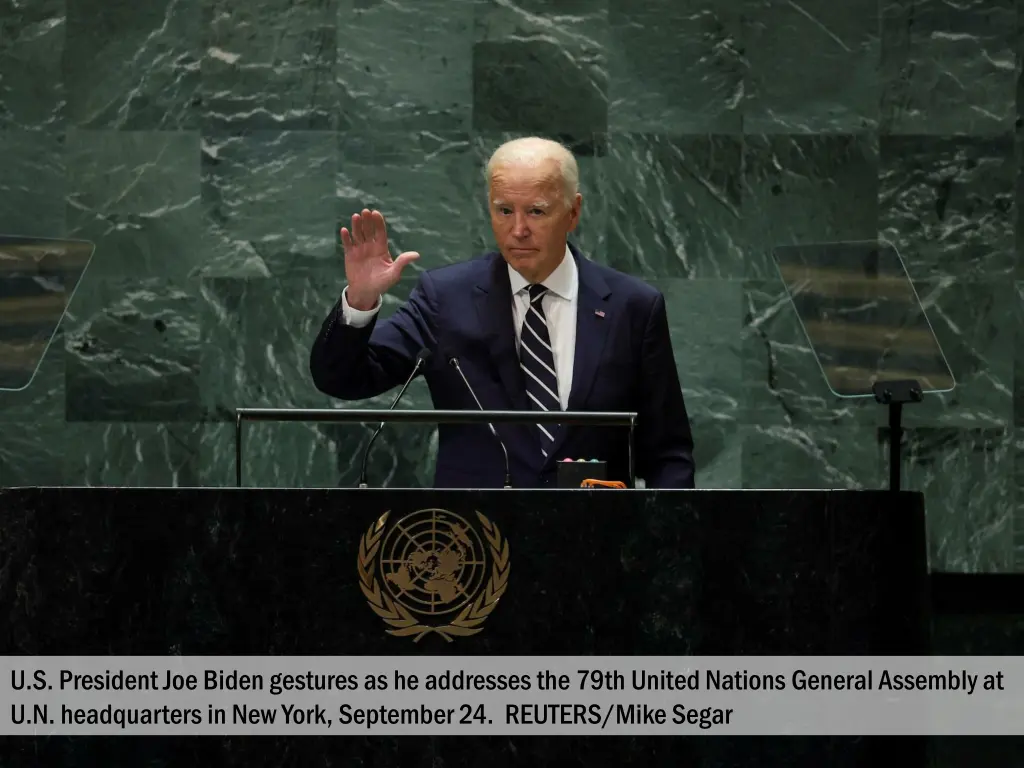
(454, 362)
(421, 360)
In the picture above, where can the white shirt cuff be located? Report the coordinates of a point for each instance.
(357, 318)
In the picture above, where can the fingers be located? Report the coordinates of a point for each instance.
(373, 226)
(367, 226)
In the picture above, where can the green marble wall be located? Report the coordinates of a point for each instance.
(211, 150)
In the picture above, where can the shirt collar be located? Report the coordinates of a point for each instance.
(562, 282)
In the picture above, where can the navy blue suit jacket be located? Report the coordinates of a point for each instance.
(623, 362)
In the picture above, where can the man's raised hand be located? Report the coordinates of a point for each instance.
(369, 268)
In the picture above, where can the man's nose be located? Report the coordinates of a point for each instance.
(521, 226)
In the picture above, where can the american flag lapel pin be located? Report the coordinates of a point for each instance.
(599, 312)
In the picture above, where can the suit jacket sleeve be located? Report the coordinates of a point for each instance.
(358, 363)
(664, 443)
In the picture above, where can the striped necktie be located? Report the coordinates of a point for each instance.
(538, 364)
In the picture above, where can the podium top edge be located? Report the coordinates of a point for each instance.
(606, 418)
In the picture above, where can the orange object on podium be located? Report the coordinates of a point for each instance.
(592, 483)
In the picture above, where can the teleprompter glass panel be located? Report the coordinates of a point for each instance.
(861, 316)
(38, 277)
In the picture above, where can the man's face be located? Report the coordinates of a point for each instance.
(530, 218)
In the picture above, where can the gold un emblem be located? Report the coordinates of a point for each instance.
(432, 567)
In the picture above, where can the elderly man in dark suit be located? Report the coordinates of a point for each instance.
(534, 325)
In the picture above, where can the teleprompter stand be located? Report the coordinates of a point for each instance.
(866, 327)
(895, 394)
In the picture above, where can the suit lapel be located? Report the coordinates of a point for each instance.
(593, 322)
(493, 298)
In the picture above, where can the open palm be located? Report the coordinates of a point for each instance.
(369, 268)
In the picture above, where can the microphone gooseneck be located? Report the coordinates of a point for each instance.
(454, 362)
(421, 360)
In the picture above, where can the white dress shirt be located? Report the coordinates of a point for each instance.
(559, 304)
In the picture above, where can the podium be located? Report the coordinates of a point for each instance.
(560, 572)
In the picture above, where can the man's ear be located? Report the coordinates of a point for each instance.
(577, 207)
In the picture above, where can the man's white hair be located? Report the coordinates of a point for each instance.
(532, 151)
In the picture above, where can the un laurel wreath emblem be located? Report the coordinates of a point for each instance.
(433, 568)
